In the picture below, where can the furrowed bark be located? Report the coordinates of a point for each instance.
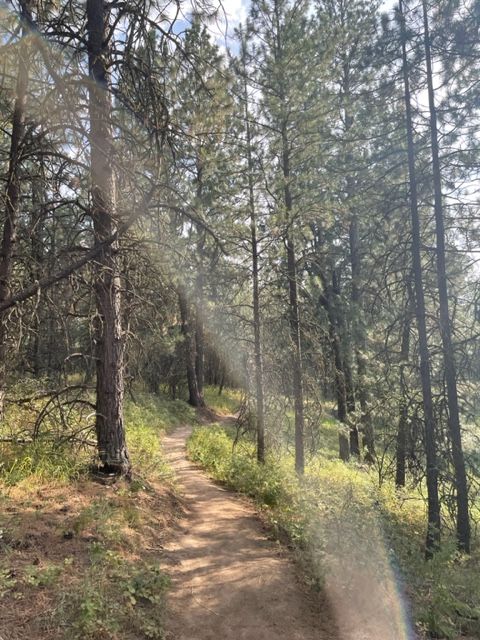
(109, 338)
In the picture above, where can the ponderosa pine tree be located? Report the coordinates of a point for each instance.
(283, 77)
(109, 338)
(433, 528)
(351, 26)
(255, 249)
(445, 321)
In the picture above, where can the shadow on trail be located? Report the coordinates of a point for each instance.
(229, 581)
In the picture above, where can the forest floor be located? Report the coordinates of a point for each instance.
(69, 556)
(230, 580)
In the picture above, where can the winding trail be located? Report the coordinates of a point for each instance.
(229, 581)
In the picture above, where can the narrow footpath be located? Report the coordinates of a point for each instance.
(230, 582)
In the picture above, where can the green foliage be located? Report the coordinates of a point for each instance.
(447, 589)
(40, 461)
(157, 412)
(45, 576)
(145, 422)
(116, 594)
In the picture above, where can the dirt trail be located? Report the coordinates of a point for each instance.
(229, 581)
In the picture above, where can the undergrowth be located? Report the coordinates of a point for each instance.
(225, 403)
(80, 560)
(67, 454)
(346, 528)
(115, 598)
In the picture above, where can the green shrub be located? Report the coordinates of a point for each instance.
(41, 460)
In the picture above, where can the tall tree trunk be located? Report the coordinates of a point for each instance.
(338, 310)
(198, 342)
(199, 295)
(359, 337)
(295, 337)
(109, 337)
(433, 528)
(329, 301)
(13, 188)
(294, 315)
(257, 324)
(463, 521)
(200, 337)
(401, 449)
(194, 397)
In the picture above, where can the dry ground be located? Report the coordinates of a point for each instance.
(230, 581)
(47, 536)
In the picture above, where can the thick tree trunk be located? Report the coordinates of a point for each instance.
(463, 521)
(13, 189)
(194, 397)
(109, 337)
(433, 528)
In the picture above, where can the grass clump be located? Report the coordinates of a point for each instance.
(40, 461)
(115, 596)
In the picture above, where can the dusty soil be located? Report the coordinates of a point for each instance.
(229, 581)
(48, 526)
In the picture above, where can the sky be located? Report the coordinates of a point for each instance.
(236, 11)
